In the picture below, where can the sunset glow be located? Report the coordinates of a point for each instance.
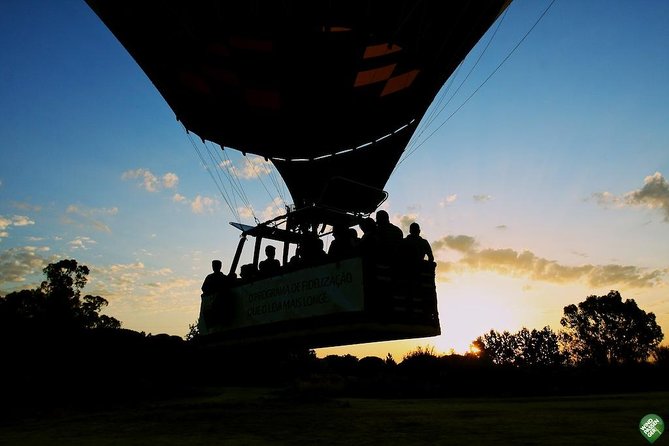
(549, 185)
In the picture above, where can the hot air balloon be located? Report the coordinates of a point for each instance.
(330, 93)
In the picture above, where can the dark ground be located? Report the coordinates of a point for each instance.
(249, 416)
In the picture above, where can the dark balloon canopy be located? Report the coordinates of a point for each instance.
(324, 89)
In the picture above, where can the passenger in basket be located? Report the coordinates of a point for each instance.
(343, 245)
(415, 248)
(389, 237)
(369, 240)
(270, 266)
(215, 282)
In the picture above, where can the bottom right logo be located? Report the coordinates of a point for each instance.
(651, 427)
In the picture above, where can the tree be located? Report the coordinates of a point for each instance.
(499, 348)
(604, 330)
(57, 304)
(537, 347)
(522, 349)
(193, 332)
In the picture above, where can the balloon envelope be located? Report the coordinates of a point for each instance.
(324, 89)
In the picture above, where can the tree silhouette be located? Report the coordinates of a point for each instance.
(524, 348)
(604, 330)
(57, 304)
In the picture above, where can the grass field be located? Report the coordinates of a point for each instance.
(235, 416)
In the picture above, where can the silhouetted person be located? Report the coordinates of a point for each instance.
(270, 266)
(248, 272)
(216, 281)
(295, 261)
(353, 236)
(369, 239)
(312, 250)
(343, 245)
(389, 236)
(415, 248)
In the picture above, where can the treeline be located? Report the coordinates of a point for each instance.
(58, 349)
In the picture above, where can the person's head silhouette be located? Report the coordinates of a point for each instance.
(382, 217)
(270, 251)
(216, 265)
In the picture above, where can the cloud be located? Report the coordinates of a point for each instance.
(653, 195)
(81, 243)
(26, 206)
(510, 262)
(132, 287)
(117, 280)
(273, 209)
(199, 205)
(178, 198)
(254, 167)
(149, 181)
(170, 180)
(89, 217)
(461, 243)
(16, 264)
(406, 220)
(15, 220)
(245, 212)
(448, 200)
(482, 198)
(202, 204)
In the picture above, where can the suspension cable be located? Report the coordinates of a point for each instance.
(418, 145)
(221, 190)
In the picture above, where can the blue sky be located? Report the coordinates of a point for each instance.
(547, 186)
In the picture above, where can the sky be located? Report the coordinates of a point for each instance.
(547, 185)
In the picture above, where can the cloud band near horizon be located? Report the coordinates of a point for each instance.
(513, 263)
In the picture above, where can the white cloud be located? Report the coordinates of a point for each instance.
(170, 180)
(450, 199)
(149, 181)
(199, 205)
(81, 243)
(482, 198)
(203, 204)
(133, 288)
(254, 167)
(273, 209)
(654, 194)
(15, 220)
(245, 212)
(20, 220)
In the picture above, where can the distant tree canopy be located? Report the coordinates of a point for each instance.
(57, 304)
(536, 348)
(604, 330)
